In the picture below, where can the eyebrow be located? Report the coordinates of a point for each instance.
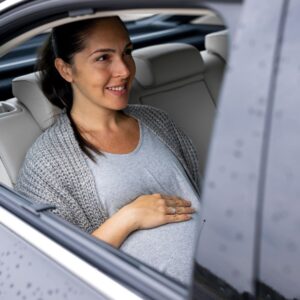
(109, 49)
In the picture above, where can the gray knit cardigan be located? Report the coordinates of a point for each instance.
(55, 169)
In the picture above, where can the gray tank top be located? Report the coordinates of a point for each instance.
(150, 168)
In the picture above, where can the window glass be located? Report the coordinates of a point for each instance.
(26, 273)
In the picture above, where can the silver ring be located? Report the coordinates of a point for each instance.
(173, 210)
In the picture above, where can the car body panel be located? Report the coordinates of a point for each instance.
(279, 274)
(233, 175)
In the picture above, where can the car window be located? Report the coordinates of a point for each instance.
(151, 31)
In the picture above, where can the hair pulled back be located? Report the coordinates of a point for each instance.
(64, 42)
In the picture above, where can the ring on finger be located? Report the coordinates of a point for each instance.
(173, 210)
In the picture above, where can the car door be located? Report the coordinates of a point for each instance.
(250, 163)
(279, 247)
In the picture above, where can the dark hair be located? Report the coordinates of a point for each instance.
(64, 42)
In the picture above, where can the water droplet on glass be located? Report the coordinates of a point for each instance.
(223, 248)
(256, 133)
(252, 43)
(251, 110)
(251, 177)
(211, 185)
(278, 114)
(292, 246)
(229, 213)
(278, 216)
(239, 143)
(287, 269)
(222, 169)
(239, 236)
(261, 100)
(237, 153)
(236, 273)
(234, 175)
(262, 64)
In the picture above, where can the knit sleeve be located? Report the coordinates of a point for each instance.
(39, 180)
(36, 181)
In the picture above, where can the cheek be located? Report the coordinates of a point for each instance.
(100, 75)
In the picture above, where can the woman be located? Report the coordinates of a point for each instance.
(109, 168)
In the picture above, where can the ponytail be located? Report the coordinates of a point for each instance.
(57, 90)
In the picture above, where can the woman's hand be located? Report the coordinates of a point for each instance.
(144, 212)
(148, 211)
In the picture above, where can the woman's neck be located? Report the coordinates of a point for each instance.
(97, 119)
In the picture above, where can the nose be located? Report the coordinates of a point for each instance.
(122, 68)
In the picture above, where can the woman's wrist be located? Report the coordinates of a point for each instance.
(117, 228)
(126, 213)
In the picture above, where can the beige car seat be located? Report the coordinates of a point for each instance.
(215, 57)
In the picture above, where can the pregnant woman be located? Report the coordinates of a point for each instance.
(123, 173)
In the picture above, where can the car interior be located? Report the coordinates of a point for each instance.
(174, 76)
(180, 59)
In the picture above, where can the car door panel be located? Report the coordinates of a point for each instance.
(226, 247)
(279, 269)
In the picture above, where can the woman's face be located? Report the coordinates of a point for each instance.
(101, 74)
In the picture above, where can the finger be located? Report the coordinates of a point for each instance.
(178, 202)
(178, 218)
(184, 210)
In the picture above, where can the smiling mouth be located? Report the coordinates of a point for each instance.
(118, 88)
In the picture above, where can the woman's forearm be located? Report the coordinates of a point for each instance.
(115, 229)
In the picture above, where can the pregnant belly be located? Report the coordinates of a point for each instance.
(168, 248)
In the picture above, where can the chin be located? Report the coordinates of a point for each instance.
(119, 106)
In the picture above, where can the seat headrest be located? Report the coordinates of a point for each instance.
(161, 64)
(27, 90)
(217, 43)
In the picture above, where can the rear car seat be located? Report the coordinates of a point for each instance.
(18, 131)
(26, 117)
(168, 76)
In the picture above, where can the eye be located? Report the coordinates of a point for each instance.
(102, 57)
